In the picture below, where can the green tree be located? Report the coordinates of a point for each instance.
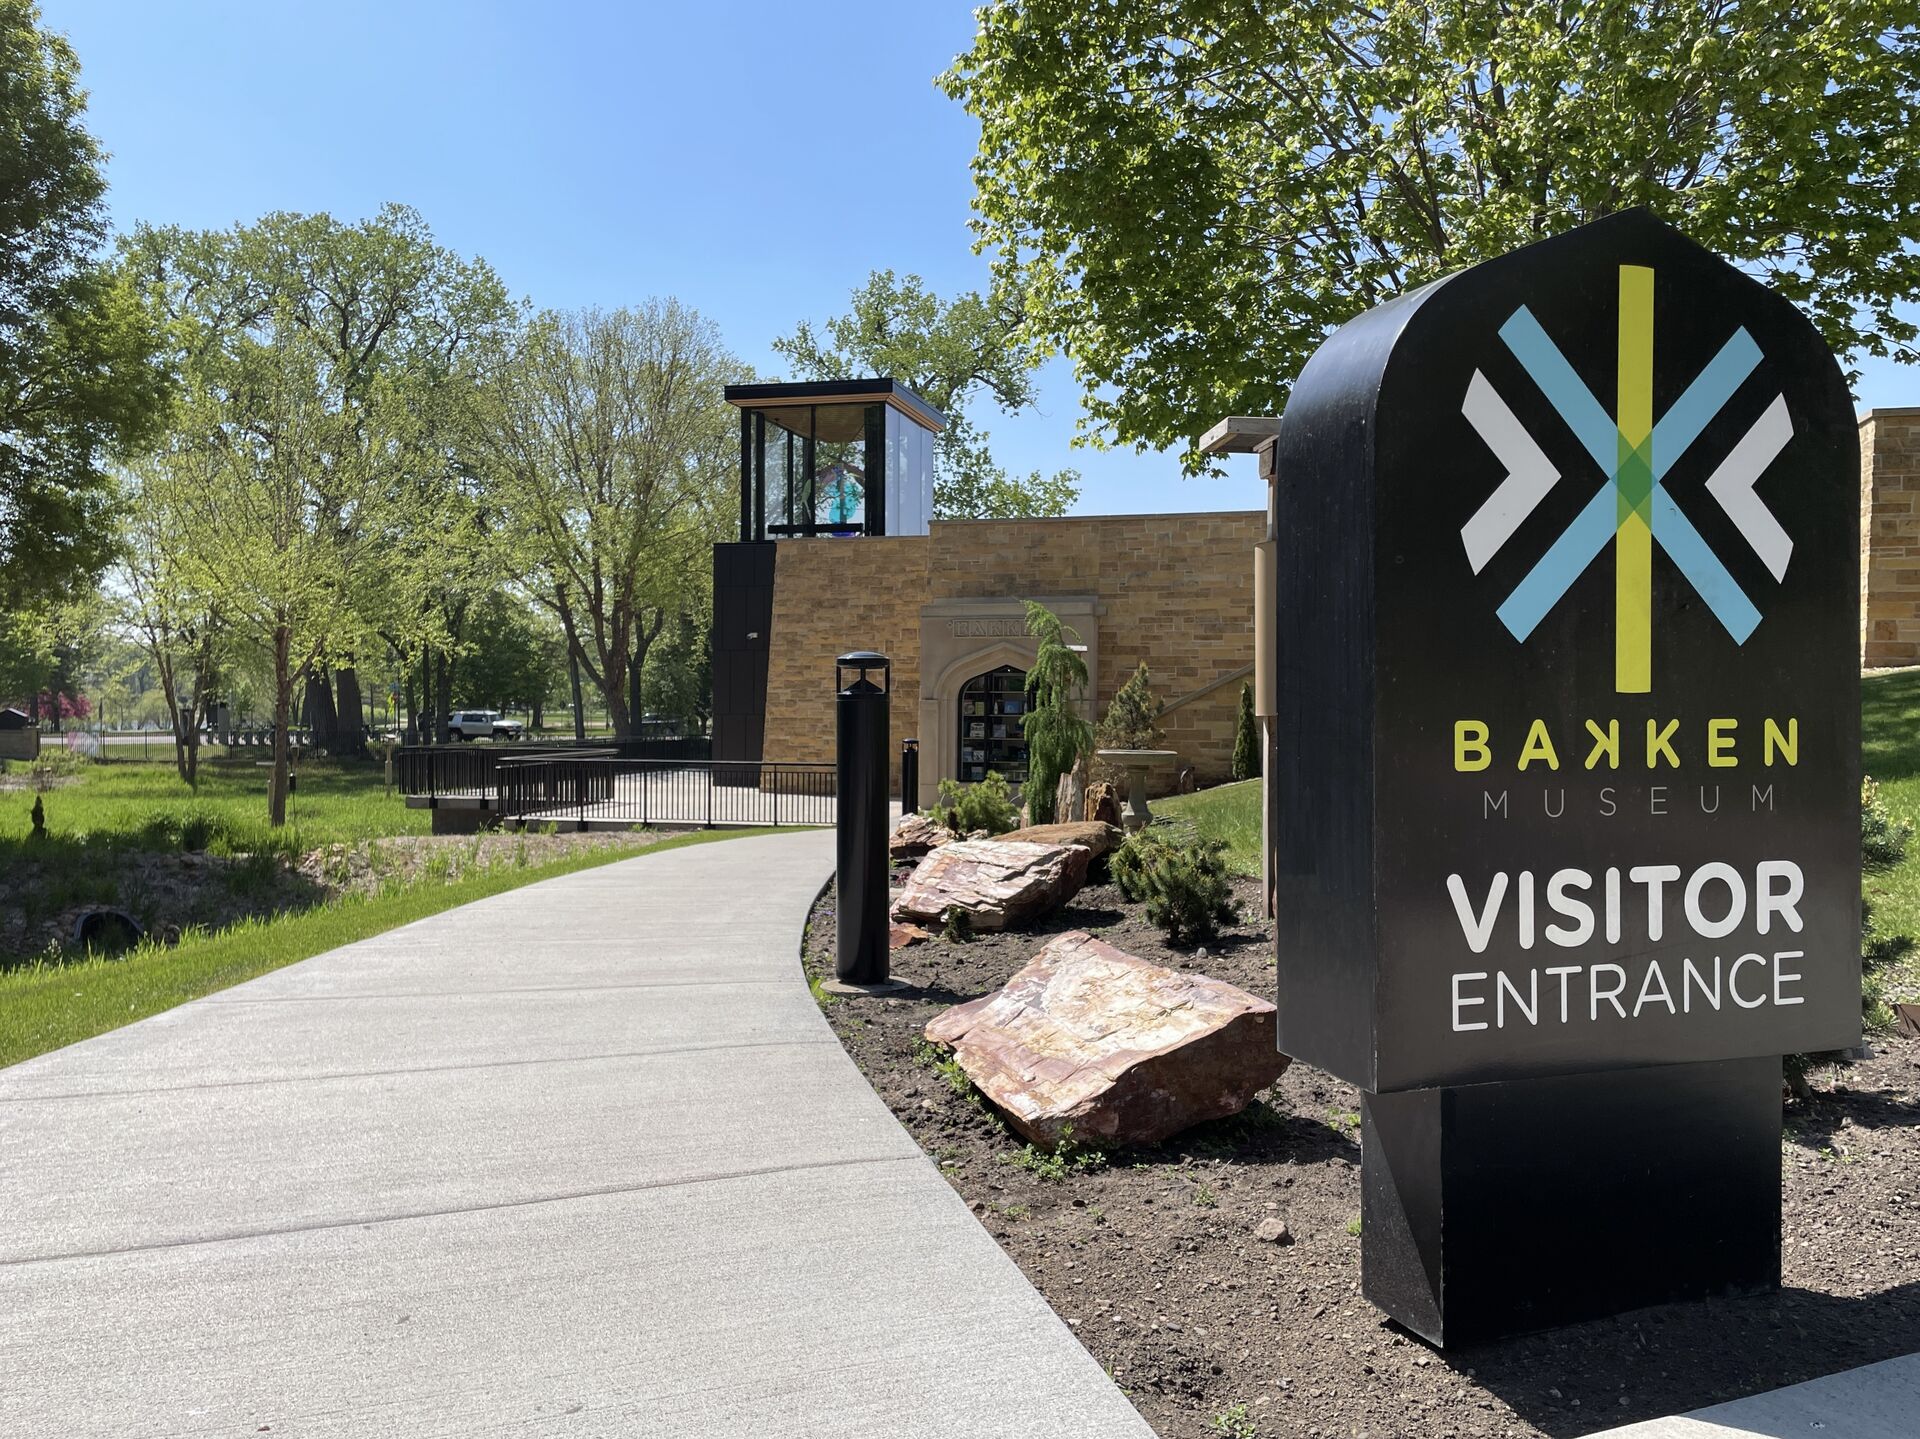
(1057, 737)
(173, 617)
(1193, 194)
(79, 378)
(394, 325)
(1133, 715)
(1246, 738)
(952, 354)
(607, 445)
(257, 474)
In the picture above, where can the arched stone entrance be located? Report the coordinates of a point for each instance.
(961, 640)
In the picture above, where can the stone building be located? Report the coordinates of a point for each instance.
(821, 569)
(1890, 537)
(838, 552)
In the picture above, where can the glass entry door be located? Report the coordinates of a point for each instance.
(992, 706)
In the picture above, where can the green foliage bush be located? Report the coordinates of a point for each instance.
(1182, 881)
(964, 808)
(1246, 739)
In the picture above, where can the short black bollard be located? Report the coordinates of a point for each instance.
(909, 776)
(860, 724)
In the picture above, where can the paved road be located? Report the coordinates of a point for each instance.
(578, 1160)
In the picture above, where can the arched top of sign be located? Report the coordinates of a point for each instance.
(1567, 540)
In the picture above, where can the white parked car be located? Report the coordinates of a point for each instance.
(483, 724)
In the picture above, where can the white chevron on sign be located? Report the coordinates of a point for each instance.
(1732, 486)
(1530, 474)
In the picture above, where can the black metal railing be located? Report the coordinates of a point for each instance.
(579, 791)
(471, 771)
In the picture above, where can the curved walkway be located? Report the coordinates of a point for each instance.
(579, 1159)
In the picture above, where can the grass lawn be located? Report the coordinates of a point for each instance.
(1228, 812)
(43, 1007)
(1890, 753)
(331, 804)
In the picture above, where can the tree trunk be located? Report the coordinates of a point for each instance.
(579, 702)
(410, 709)
(282, 720)
(322, 719)
(350, 721)
(442, 699)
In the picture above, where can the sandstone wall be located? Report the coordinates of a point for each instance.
(1890, 542)
(1174, 590)
(830, 597)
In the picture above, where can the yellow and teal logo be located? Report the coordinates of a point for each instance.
(1632, 509)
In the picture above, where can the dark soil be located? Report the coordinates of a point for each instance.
(1151, 1256)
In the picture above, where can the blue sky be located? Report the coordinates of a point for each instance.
(757, 160)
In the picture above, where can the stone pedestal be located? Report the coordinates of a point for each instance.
(1134, 814)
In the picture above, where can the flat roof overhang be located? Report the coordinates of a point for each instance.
(838, 392)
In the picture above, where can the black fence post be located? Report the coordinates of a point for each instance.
(909, 776)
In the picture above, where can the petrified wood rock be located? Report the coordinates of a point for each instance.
(1097, 837)
(915, 835)
(996, 884)
(1122, 1051)
(1103, 802)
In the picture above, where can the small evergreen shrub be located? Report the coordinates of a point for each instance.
(1133, 716)
(964, 808)
(1246, 739)
(1057, 738)
(1183, 883)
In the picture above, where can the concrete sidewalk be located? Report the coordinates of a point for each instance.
(579, 1159)
(1876, 1401)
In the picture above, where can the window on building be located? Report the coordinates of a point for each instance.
(992, 707)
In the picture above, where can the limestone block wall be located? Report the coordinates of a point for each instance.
(829, 597)
(1890, 537)
(1173, 590)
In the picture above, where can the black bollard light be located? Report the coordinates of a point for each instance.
(860, 724)
(909, 776)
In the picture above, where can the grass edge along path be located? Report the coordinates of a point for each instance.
(47, 1007)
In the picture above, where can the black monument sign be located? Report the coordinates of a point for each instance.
(1566, 823)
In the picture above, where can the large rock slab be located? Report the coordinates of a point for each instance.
(1089, 1038)
(1097, 837)
(994, 883)
(915, 835)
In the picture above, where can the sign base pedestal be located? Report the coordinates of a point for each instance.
(1495, 1209)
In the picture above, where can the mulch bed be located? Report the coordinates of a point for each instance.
(1152, 1259)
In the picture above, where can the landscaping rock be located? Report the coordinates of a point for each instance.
(899, 936)
(995, 884)
(1103, 802)
(1273, 1230)
(916, 835)
(1097, 837)
(1090, 1039)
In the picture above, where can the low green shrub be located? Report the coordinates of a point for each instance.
(964, 808)
(1182, 880)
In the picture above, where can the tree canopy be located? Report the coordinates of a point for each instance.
(953, 354)
(78, 374)
(1192, 193)
(605, 441)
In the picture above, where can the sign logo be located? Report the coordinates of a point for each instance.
(1632, 508)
